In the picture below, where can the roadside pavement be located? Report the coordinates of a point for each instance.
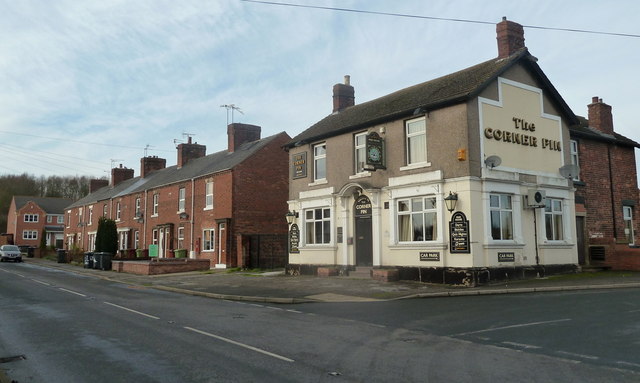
(275, 287)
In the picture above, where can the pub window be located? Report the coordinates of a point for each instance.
(501, 216)
(209, 195)
(320, 162)
(574, 157)
(208, 239)
(318, 226)
(553, 219)
(417, 219)
(360, 143)
(416, 133)
(181, 199)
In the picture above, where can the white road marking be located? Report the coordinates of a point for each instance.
(240, 344)
(294, 311)
(634, 311)
(72, 292)
(512, 326)
(255, 304)
(521, 345)
(274, 308)
(628, 364)
(42, 283)
(133, 311)
(582, 356)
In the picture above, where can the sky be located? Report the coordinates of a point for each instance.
(88, 85)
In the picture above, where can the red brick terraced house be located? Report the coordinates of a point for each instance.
(606, 192)
(228, 207)
(30, 217)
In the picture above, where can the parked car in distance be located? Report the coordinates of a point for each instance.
(10, 252)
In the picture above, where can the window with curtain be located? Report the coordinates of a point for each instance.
(208, 239)
(553, 219)
(181, 199)
(417, 219)
(209, 195)
(318, 226)
(416, 133)
(501, 216)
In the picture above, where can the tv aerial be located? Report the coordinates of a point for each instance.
(231, 107)
(492, 161)
(570, 171)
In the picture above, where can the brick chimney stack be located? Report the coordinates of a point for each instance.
(510, 37)
(120, 174)
(96, 184)
(239, 134)
(151, 164)
(189, 151)
(600, 116)
(343, 95)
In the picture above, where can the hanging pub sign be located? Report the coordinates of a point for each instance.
(299, 165)
(374, 152)
(459, 234)
(294, 239)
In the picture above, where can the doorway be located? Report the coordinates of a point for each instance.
(363, 241)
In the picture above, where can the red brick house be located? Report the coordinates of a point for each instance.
(30, 217)
(228, 207)
(606, 191)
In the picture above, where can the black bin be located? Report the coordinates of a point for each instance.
(31, 251)
(102, 261)
(62, 256)
(88, 260)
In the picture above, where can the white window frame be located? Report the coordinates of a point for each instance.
(552, 212)
(575, 157)
(123, 239)
(49, 218)
(360, 152)
(180, 237)
(156, 203)
(90, 215)
(136, 239)
(31, 218)
(30, 234)
(424, 200)
(104, 210)
(208, 239)
(182, 199)
(118, 211)
(320, 158)
(60, 219)
(627, 216)
(311, 224)
(412, 136)
(501, 210)
(208, 191)
(138, 204)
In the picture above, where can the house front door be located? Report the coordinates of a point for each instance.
(363, 242)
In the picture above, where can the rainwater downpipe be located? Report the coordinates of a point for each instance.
(191, 217)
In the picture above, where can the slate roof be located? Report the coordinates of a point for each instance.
(199, 167)
(447, 90)
(50, 205)
(582, 129)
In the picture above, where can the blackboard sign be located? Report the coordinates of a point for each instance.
(459, 233)
(294, 239)
(299, 165)
(506, 257)
(429, 256)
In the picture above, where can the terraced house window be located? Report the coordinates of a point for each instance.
(501, 216)
(320, 162)
(553, 219)
(318, 226)
(31, 218)
(118, 211)
(208, 239)
(90, 215)
(209, 195)
(138, 206)
(416, 132)
(574, 157)
(181, 199)
(30, 234)
(156, 199)
(417, 219)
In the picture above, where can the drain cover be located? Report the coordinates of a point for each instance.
(12, 358)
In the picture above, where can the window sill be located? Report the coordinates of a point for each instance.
(319, 182)
(503, 244)
(555, 245)
(419, 246)
(319, 247)
(208, 208)
(153, 216)
(360, 175)
(416, 166)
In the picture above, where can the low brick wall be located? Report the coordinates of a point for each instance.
(327, 271)
(385, 275)
(155, 267)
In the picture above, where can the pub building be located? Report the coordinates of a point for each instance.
(463, 179)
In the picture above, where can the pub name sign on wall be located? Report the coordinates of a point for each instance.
(374, 149)
(299, 165)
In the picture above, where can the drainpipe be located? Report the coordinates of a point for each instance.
(191, 217)
(144, 220)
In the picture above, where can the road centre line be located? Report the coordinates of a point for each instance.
(582, 356)
(131, 310)
(72, 292)
(294, 311)
(628, 364)
(510, 327)
(41, 282)
(240, 344)
(521, 345)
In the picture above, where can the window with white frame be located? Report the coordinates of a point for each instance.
(31, 218)
(156, 199)
(318, 226)
(573, 145)
(417, 219)
(80, 215)
(68, 218)
(359, 150)
(123, 240)
(627, 215)
(30, 234)
(60, 219)
(501, 216)
(136, 239)
(154, 236)
(90, 215)
(553, 220)
(118, 211)
(208, 239)
(320, 162)
(181, 237)
(91, 245)
(49, 218)
(182, 199)
(416, 133)
(104, 210)
(209, 195)
(138, 211)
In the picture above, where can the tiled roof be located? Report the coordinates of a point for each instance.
(582, 129)
(447, 90)
(199, 167)
(50, 205)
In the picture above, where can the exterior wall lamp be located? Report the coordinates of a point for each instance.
(291, 216)
(451, 201)
(184, 215)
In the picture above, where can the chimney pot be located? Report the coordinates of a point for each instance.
(347, 79)
(594, 99)
(343, 95)
(600, 116)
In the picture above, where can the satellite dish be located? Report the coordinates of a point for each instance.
(492, 161)
(570, 171)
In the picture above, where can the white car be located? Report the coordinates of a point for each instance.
(10, 252)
